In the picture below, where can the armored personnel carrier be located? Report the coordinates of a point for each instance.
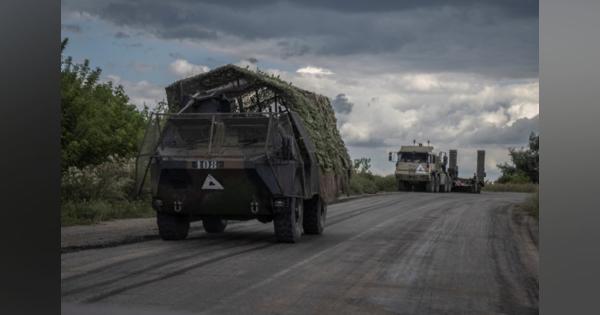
(241, 145)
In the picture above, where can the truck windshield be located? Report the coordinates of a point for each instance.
(412, 157)
(225, 135)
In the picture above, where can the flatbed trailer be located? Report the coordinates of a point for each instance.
(470, 185)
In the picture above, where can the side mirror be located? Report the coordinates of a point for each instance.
(390, 156)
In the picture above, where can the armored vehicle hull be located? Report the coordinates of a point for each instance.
(246, 152)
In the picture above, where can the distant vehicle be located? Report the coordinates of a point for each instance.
(420, 168)
(235, 147)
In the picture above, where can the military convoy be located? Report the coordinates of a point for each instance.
(237, 144)
(240, 145)
(419, 168)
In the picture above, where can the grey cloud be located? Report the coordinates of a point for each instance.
(517, 133)
(497, 38)
(341, 104)
(368, 143)
(121, 35)
(74, 28)
(293, 48)
(176, 55)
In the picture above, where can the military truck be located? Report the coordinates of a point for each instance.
(239, 145)
(419, 168)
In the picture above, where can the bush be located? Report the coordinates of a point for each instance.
(362, 183)
(386, 183)
(110, 181)
(103, 192)
(367, 183)
(513, 187)
(517, 177)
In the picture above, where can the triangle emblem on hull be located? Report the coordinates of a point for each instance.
(211, 183)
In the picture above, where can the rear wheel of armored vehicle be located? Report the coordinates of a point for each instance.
(214, 225)
(288, 221)
(315, 213)
(172, 227)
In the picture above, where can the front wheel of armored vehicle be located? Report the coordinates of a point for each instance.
(288, 221)
(315, 213)
(172, 227)
(214, 225)
(402, 186)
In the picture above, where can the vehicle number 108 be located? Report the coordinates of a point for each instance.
(207, 164)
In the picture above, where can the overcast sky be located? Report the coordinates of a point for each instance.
(462, 75)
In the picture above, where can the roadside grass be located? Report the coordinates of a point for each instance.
(94, 211)
(532, 205)
(512, 187)
(100, 193)
(365, 183)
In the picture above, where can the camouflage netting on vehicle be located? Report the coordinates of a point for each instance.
(315, 110)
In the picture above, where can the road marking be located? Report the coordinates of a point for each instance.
(211, 183)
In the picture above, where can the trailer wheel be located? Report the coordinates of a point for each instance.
(288, 221)
(214, 225)
(429, 186)
(172, 227)
(315, 213)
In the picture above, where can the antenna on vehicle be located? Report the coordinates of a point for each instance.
(414, 141)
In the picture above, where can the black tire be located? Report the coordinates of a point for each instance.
(429, 186)
(315, 213)
(402, 186)
(288, 221)
(214, 225)
(172, 227)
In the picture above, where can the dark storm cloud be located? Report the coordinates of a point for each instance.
(516, 7)
(74, 28)
(498, 38)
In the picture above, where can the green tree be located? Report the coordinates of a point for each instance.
(96, 118)
(362, 166)
(525, 163)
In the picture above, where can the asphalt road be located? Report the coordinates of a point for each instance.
(405, 253)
